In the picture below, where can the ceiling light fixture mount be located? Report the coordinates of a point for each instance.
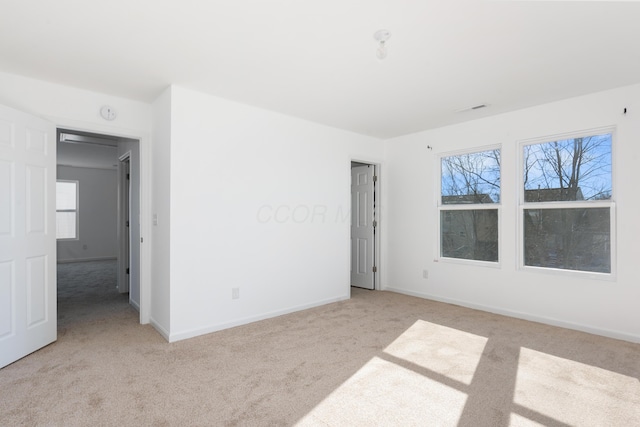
(381, 36)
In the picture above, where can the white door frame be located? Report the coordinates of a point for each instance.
(145, 202)
(377, 281)
(124, 217)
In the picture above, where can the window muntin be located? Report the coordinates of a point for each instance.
(66, 210)
(567, 202)
(469, 200)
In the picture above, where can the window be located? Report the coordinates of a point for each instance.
(566, 203)
(469, 203)
(66, 209)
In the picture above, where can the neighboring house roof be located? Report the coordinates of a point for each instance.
(467, 199)
(553, 194)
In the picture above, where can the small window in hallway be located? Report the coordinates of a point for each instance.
(66, 210)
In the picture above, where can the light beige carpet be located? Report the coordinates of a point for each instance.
(378, 359)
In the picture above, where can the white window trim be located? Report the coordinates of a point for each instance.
(76, 210)
(453, 207)
(522, 206)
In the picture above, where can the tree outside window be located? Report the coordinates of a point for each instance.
(470, 194)
(567, 203)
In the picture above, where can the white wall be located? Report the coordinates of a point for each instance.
(161, 210)
(97, 215)
(600, 306)
(259, 202)
(74, 108)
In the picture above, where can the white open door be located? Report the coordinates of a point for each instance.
(28, 317)
(362, 227)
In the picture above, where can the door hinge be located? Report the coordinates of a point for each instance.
(375, 223)
(128, 176)
(127, 223)
(127, 271)
(375, 269)
(375, 178)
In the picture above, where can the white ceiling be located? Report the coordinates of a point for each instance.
(316, 59)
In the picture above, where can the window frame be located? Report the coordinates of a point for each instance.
(76, 210)
(442, 207)
(583, 204)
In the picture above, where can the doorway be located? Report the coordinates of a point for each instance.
(364, 225)
(28, 226)
(109, 203)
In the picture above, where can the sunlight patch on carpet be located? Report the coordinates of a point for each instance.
(520, 421)
(446, 351)
(550, 385)
(383, 393)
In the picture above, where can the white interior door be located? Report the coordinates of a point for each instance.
(362, 226)
(28, 317)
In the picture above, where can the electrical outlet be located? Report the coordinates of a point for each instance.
(425, 274)
(235, 293)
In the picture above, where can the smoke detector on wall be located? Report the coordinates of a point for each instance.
(108, 112)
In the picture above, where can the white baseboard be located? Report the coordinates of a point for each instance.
(525, 316)
(179, 336)
(65, 261)
(162, 331)
(135, 305)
